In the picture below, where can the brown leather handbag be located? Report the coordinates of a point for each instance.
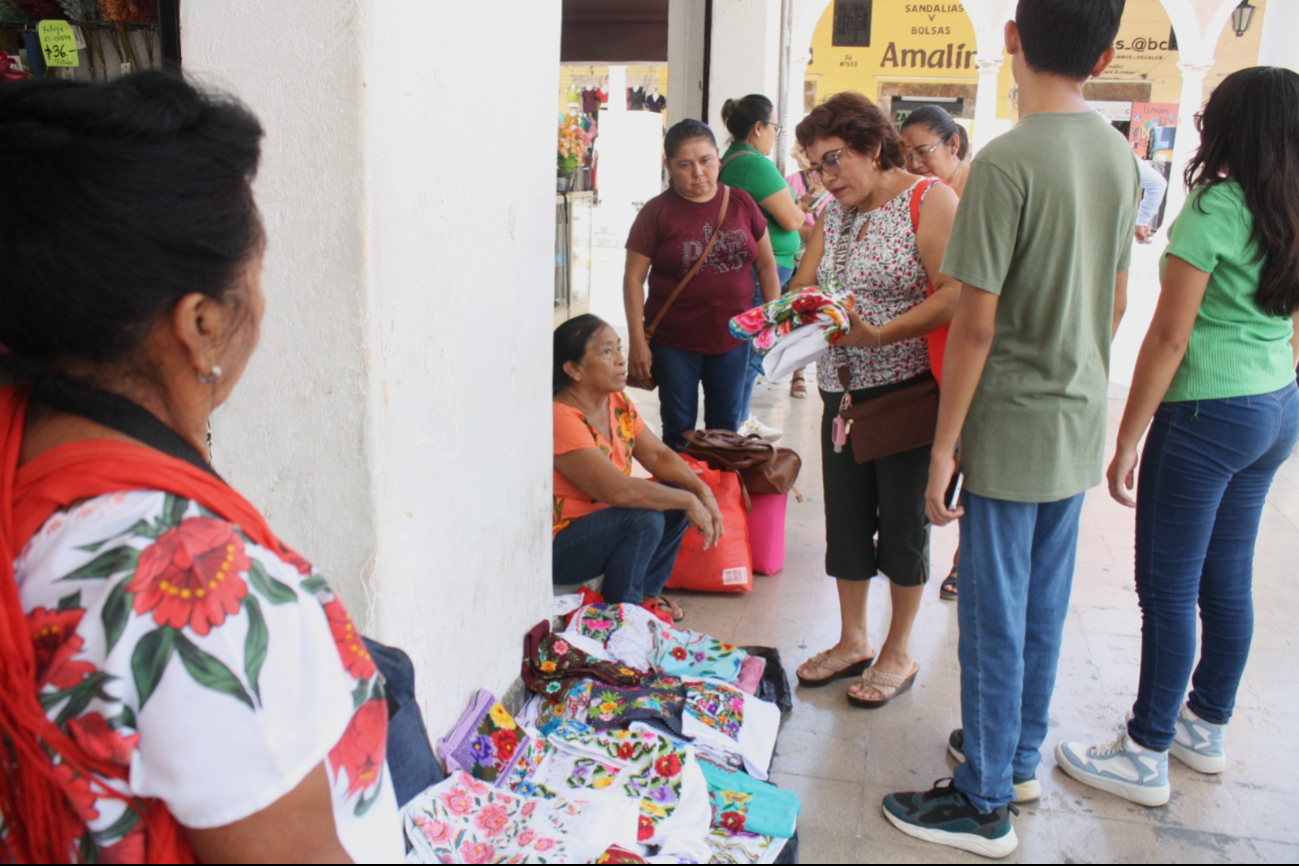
(763, 467)
(893, 422)
(649, 383)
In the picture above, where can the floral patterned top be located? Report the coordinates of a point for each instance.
(885, 273)
(573, 432)
(216, 672)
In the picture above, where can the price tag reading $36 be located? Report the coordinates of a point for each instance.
(58, 43)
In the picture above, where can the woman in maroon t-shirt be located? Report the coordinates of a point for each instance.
(693, 342)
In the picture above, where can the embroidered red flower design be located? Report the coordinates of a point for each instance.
(506, 742)
(100, 741)
(733, 821)
(626, 751)
(190, 575)
(679, 653)
(362, 749)
(78, 791)
(351, 649)
(644, 829)
(55, 639)
(668, 766)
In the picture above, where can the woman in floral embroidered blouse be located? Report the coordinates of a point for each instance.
(883, 238)
(605, 521)
(178, 684)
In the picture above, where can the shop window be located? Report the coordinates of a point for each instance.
(852, 23)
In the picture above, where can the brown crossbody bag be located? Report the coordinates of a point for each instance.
(894, 422)
(649, 383)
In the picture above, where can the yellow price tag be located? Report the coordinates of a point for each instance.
(58, 43)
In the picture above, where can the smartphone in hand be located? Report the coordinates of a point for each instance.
(953, 496)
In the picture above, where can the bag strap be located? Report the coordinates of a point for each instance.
(917, 196)
(733, 157)
(690, 274)
(116, 413)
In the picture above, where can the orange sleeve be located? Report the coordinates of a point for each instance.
(571, 433)
(635, 413)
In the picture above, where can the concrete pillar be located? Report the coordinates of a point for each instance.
(745, 55)
(1188, 137)
(395, 422)
(1280, 24)
(685, 60)
(985, 105)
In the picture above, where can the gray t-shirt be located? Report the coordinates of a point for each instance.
(1046, 222)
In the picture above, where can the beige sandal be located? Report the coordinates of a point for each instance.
(882, 682)
(838, 669)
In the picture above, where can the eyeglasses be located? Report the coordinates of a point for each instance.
(779, 126)
(829, 159)
(923, 153)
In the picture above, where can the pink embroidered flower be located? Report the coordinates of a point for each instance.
(598, 624)
(751, 321)
(477, 852)
(765, 340)
(436, 832)
(544, 844)
(457, 802)
(561, 647)
(492, 819)
(528, 809)
(477, 788)
(525, 838)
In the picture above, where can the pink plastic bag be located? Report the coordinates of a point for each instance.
(767, 531)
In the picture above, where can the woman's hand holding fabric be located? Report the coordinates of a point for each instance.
(1122, 476)
(862, 334)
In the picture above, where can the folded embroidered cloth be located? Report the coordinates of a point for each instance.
(796, 328)
(485, 743)
(741, 802)
(550, 664)
(686, 653)
(658, 701)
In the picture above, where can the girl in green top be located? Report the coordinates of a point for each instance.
(1216, 375)
(745, 166)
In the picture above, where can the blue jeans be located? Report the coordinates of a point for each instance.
(755, 360)
(1205, 473)
(634, 548)
(1017, 561)
(679, 374)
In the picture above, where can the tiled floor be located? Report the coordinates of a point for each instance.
(842, 761)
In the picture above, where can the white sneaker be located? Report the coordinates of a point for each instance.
(1122, 768)
(754, 427)
(1198, 744)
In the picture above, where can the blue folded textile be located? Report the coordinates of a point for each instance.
(741, 802)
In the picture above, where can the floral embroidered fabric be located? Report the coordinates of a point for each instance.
(462, 820)
(486, 742)
(686, 653)
(884, 273)
(812, 319)
(626, 632)
(550, 663)
(659, 701)
(159, 627)
(741, 802)
(730, 727)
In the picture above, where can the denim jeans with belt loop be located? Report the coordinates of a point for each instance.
(1017, 563)
(1205, 474)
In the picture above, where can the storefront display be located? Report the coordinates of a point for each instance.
(87, 40)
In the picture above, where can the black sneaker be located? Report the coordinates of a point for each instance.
(1027, 788)
(944, 815)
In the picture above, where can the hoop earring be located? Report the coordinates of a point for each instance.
(213, 375)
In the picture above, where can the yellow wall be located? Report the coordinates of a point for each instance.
(910, 42)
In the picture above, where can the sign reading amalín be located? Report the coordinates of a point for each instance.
(926, 40)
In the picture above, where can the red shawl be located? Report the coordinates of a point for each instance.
(43, 825)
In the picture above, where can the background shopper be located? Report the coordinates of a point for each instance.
(693, 343)
(1216, 375)
(874, 512)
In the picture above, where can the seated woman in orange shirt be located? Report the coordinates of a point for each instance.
(605, 521)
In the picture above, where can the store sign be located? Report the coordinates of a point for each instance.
(1153, 130)
(1112, 111)
(1144, 43)
(915, 48)
(58, 43)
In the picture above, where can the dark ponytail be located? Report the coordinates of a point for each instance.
(936, 119)
(153, 181)
(741, 115)
(1249, 130)
(571, 340)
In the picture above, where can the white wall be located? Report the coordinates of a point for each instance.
(1280, 27)
(395, 424)
(745, 57)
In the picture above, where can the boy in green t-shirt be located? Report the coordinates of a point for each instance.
(1041, 243)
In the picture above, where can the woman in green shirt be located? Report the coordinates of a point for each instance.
(745, 166)
(1216, 375)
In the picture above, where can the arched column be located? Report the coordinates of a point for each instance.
(985, 103)
(1188, 137)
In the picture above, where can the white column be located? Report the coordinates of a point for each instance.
(618, 88)
(745, 55)
(1280, 24)
(985, 105)
(395, 422)
(1188, 138)
(685, 60)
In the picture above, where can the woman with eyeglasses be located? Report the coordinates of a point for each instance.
(745, 166)
(883, 237)
(936, 146)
